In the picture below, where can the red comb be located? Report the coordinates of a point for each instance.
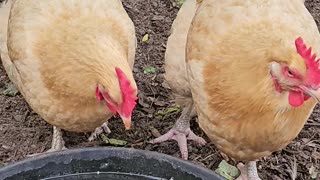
(313, 72)
(128, 93)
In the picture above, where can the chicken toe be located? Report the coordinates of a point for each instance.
(181, 138)
(99, 130)
(181, 132)
(248, 171)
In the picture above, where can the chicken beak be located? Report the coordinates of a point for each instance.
(126, 121)
(315, 94)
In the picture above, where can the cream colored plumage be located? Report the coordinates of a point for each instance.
(176, 72)
(60, 50)
(176, 77)
(245, 71)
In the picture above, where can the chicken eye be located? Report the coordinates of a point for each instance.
(290, 73)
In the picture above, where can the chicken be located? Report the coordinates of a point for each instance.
(251, 73)
(176, 78)
(72, 61)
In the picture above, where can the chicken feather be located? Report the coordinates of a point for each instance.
(57, 53)
(244, 72)
(234, 49)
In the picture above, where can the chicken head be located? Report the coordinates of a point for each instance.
(128, 95)
(300, 85)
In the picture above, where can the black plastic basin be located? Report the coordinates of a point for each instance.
(107, 164)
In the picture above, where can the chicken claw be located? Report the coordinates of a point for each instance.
(248, 171)
(181, 138)
(57, 142)
(181, 132)
(99, 130)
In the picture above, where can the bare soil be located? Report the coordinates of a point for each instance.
(23, 132)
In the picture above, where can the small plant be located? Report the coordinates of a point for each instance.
(149, 70)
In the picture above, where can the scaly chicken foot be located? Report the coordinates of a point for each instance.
(181, 132)
(248, 171)
(57, 142)
(99, 130)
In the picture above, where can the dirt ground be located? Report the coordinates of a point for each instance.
(23, 132)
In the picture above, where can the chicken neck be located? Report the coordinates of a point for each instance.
(181, 132)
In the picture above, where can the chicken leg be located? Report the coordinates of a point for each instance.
(248, 171)
(57, 142)
(181, 132)
(99, 130)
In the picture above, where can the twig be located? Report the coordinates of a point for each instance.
(208, 157)
(294, 168)
(312, 124)
(290, 151)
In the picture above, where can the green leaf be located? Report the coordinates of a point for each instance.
(227, 171)
(10, 90)
(168, 111)
(145, 38)
(149, 70)
(117, 142)
(112, 141)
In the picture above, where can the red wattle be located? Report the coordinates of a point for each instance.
(296, 99)
(306, 98)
